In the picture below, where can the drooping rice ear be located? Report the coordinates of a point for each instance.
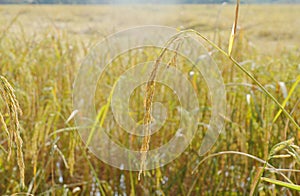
(13, 132)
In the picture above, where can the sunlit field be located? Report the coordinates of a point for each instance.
(42, 48)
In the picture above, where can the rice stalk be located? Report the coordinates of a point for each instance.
(255, 181)
(148, 118)
(150, 88)
(71, 158)
(7, 93)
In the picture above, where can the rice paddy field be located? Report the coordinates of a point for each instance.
(42, 48)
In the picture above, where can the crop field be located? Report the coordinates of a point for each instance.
(43, 48)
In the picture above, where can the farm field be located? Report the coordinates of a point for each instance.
(42, 48)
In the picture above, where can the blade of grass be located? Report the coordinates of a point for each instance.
(281, 183)
(234, 26)
(287, 98)
(101, 115)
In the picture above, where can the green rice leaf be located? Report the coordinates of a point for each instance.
(281, 183)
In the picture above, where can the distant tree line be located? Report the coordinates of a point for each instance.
(140, 1)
